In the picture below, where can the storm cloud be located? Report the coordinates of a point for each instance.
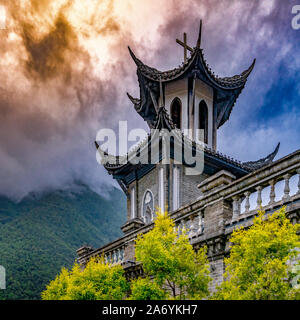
(65, 71)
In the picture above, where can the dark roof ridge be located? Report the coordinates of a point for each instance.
(153, 74)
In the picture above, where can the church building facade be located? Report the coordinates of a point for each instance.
(192, 103)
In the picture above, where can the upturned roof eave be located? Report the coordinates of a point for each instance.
(226, 83)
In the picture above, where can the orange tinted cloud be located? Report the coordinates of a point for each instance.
(65, 70)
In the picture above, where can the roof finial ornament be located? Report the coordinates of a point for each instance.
(199, 36)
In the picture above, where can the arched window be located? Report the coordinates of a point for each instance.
(148, 207)
(176, 112)
(203, 121)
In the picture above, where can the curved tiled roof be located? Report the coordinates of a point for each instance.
(254, 165)
(153, 74)
(163, 121)
(136, 102)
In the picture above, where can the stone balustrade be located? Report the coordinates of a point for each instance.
(193, 224)
(266, 194)
(115, 255)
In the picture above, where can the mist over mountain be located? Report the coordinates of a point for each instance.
(40, 234)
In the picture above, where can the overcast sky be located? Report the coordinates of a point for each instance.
(65, 70)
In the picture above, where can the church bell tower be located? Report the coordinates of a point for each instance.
(193, 102)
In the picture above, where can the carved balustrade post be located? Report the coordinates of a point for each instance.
(124, 248)
(286, 190)
(272, 191)
(121, 254)
(193, 227)
(247, 203)
(259, 199)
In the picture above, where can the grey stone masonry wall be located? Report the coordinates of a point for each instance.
(129, 251)
(215, 216)
(148, 182)
(128, 207)
(217, 268)
(189, 191)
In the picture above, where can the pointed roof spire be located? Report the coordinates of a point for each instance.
(247, 72)
(135, 59)
(199, 36)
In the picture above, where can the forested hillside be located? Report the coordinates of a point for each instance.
(40, 235)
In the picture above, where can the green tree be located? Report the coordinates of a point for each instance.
(97, 281)
(258, 268)
(146, 289)
(170, 259)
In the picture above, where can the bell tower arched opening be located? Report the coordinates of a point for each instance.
(176, 112)
(203, 121)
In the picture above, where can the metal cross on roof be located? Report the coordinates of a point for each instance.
(186, 46)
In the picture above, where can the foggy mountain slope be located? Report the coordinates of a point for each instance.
(38, 236)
